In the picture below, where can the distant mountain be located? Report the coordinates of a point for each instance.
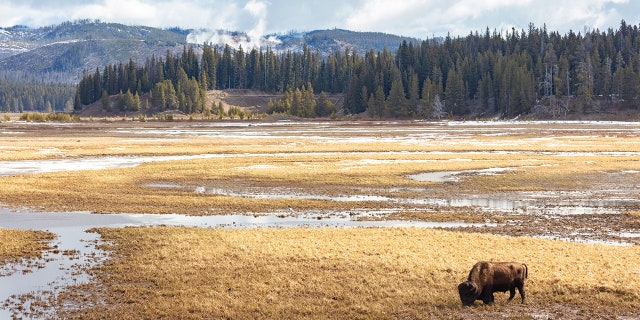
(60, 53)
(328, 41)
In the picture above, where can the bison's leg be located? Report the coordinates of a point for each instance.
(487, 295)
(512, 293)
(521, 290)
(488, 298)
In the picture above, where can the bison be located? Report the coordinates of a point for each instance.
(487, 277)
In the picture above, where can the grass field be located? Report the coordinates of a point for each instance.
(380, 273)
(302, 168)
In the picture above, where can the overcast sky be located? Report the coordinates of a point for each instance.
(417, 18)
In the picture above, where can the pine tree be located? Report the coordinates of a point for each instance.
(296, 103)
(77, 104)
(396, 101)
(221, 113)
(376, 106)
(105, 101)
(324, 106)
(585, 81)
(308, 101)
(437, 108)
(413, 96)
(454, 92)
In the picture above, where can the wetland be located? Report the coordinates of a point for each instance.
(346, 219)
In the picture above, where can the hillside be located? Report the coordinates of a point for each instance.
(60, 53)
(252, 101)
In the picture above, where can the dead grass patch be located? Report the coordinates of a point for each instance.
(22, 244)
(438, 214)
(191, 273)
(632, 219)
(555, 173)
(125, 190)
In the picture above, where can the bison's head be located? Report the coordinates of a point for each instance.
(468, 293)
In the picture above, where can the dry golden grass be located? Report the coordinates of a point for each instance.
(381, 273)
(556, 174)
(128, 190)
(22, 244)
(50, 141)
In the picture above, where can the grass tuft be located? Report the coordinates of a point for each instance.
(22, 244)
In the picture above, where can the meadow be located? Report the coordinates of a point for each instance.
(381, 273)
(571, 215)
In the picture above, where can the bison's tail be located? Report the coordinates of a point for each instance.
(526, 271)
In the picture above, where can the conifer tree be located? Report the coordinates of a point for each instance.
(413, 96)
(454, 92)
(105, 101)
(324, 106)
(397, 101)
(377, 105)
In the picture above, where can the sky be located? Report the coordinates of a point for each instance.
(421, 19)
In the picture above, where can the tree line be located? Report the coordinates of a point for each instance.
(21, 96)
(520, 72)
(180, 82)
(482, 74)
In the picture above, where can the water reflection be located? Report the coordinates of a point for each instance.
(543, 203)
(8, 168)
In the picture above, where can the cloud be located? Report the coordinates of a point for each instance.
(14, 13)
(417, 18)
(252, 19)
(382, 12)
(157, 13)
(258, 11)
(424, 18)
(131, 12)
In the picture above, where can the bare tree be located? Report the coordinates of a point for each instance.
(437, 108)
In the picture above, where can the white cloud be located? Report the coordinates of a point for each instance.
(576, 14)
(21, 13)
(382, 13)
(132, 12)
(463, 16)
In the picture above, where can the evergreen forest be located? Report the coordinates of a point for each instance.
(23, 96)
(486, 74)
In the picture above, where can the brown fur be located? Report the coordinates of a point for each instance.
(487, 277)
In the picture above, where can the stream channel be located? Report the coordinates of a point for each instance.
(75, 249)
